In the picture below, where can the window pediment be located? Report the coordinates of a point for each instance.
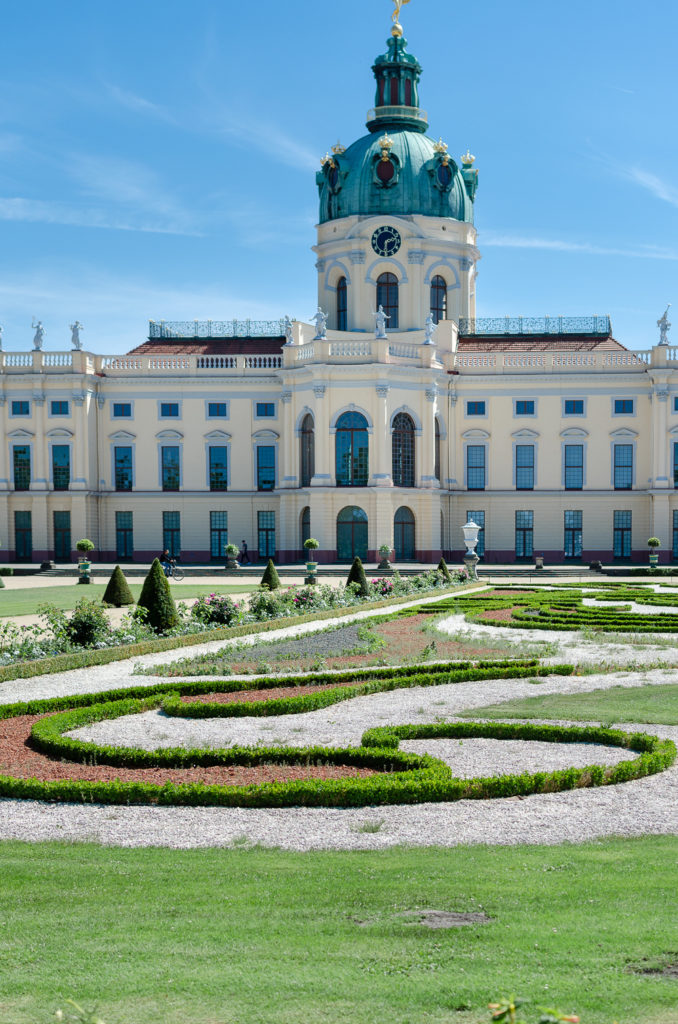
(122, 435)
(475, 434)
(525, 433)
(21, 433)
(60, 432)
(624, 432)
(218, 435)
(574, 432)
(169, 435)
(266, 435)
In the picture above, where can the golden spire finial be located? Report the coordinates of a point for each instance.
(467, 158)
(397, 29)
(338, 149)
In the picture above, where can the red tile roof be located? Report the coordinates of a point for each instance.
(210, 347)
(538, 343)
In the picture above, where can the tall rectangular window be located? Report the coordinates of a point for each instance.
(23, 536)
(62, 536)
(170, 467)
(573, 407)
(61, 466)
(124, 535)
(475, 467)
(122, 410)
(218, 535)
(21, 408)
(169, 409)
(524, 534)
(171, 533)
(622, 534)
(524, 467)
(218, 468)
(21, 455)
(266, 530)
(675, 535)
(478, 517)
(623, 467)
(675, 464)
(265, 467)
(573, 455)
(59, 408)
(573, 533)
(123, 469)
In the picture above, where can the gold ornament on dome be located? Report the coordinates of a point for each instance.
(385, 143)
(327, 159)
(467, 158)
(397, 29)
(338, 149)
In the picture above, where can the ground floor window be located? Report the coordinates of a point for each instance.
(124, 535)
(524, 534)
(478, 517)
(622, 534)
(305, 530)
(573, 534)
(675, 535)
(23, 536)
(403, 535)
(351, 534)
(171, 533)
(266, 530)
(218, 535)
(62, 536)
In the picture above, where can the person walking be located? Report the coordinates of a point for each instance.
(244, 557)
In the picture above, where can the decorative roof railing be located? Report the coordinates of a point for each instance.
(183, 329)
(411, 113)
(599, 325)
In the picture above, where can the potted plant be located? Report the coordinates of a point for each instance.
(84, 546)
(232, 551)
(311, 544)
(384, 554)
(653, 543)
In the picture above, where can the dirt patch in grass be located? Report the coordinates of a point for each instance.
(19, 760)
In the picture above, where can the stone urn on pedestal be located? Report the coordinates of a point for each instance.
(384, 553)
(84, 564)
(471, 531)
(232, 551)
(654, 544)
(310, 579)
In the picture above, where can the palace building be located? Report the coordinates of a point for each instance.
(391, 420)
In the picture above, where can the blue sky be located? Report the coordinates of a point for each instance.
(157, 160)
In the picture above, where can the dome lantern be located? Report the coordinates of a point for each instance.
(397, 98)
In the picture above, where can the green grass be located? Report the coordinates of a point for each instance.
(27, 601)
(642, 704)
(253, 936)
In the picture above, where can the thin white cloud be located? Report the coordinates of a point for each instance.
(53, 212)
(266, 139)
(646, 252)
(129, 185)
(661, 189)
(138, 104)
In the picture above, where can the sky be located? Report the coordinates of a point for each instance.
(157, 160)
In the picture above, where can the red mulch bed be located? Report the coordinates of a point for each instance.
(19, 760)
(498, 615)
(251, 696)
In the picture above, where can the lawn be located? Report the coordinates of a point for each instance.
(255, 936)
(28, 600)
(642, 704)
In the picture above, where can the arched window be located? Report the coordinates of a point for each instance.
(342, 305)
(438, 299)
(387, 296)
(305, 524)
(352, 450)
(402, 448)
(351, 534)
(436, 470)
(307, 450)
(395, 99)
(408, 92)
(403, 534)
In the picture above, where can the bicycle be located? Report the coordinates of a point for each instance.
(174, 571)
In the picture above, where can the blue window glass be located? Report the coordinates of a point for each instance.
(21, 455)
(265, 409)
(217, 409)
(675, 535)
(62, 536)
(171, 533)
(525, 407)
(623, 407)
(475, 408)
(524, 534)
(122, 410)
(218, 534)
(170, 468)
(574, 467)
(475, 467)
(265, 467)
(573, 534)
(218, 468)
(59, 408)
(478, 517)
(623, 467)
(622, 534)
(21, 408)
(352, 450)
(61, 466)
(169, 409)
(266, 532)
(524, 467)
(342, 305)
(574, 406)
(124, 535)
(123, 469)
(675, 464)
(675, 404)
(23, 536)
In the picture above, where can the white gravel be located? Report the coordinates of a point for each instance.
(476, 758)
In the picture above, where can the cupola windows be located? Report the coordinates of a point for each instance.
(438, 299)
(342, 304)
(387, 296)
(385, 171)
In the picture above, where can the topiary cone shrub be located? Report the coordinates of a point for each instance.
(117, 592)
(442, 568)
(270, 580)
(156, 598)
(357, 575)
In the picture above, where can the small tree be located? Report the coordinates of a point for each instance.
(357, 575)
(311, 544)
(156, 598)
(117, 593)
(84, 546)
(442, 568)
(270, 580)
(654, 542)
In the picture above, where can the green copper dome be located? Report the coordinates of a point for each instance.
(396, 169)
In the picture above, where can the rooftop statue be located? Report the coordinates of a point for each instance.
(75, 329)
(664, 327)
(397, 27)
(381, 319)
(431, 328)
(39, 337)
(320, 321)
(289, 336)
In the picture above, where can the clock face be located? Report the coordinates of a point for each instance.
(386, 241)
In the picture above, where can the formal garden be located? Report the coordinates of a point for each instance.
(418, 799)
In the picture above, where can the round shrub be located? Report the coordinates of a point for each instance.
(216, 609)
(270, 580)
(88, 625)
(84, 545)
(117, 592)
(156, 598)
(311, 544)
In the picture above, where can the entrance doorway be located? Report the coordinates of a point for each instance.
(403, 534)
(351, 534)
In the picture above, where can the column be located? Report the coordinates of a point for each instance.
(40, 469)
(428, 440)
(661, 525)
(288, 468)
(4, 447)
(79, 470)
(660, 455)
(380, 460)
(454, 473)
(324, 472)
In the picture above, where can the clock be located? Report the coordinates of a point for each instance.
(386, 241)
